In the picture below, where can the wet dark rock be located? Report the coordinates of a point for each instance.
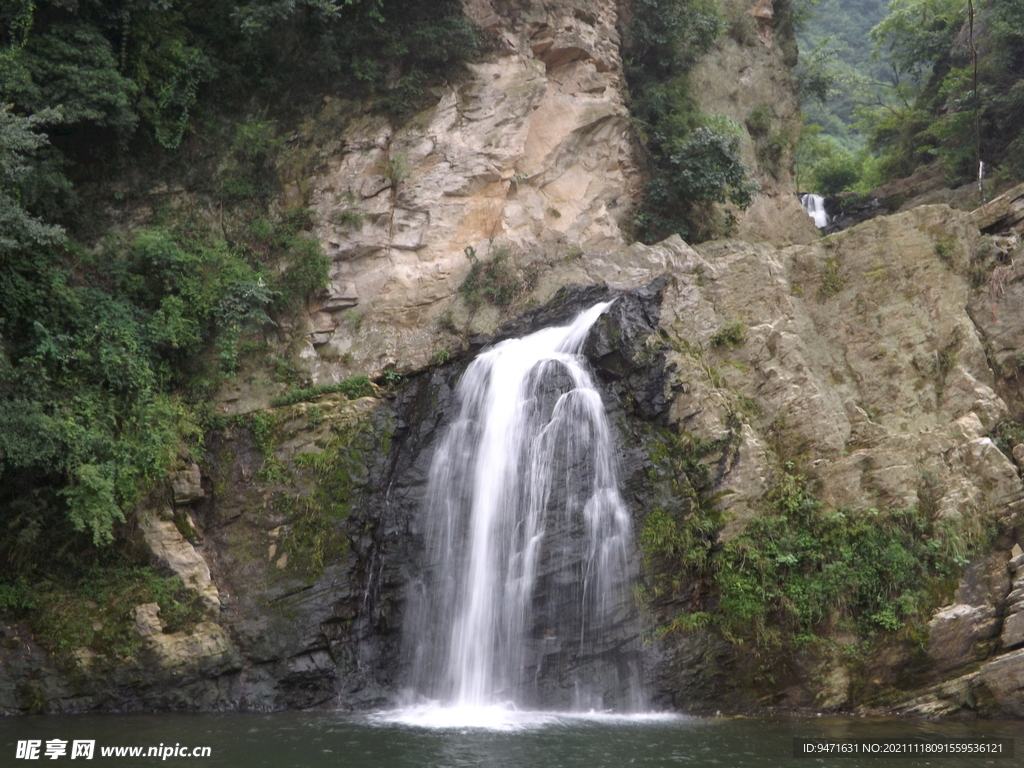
(845, 211)
(301, 639)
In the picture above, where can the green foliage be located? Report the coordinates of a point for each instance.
(693, 158)
(759, 121)
(836, 173)
(100, 79)
(73, 65)
(729, 335)
(20, 142)
(677, 537)
(94, 608)
(340, 470)
(393, 47)
(831, 279)
(665, 39)
(918, 33)
(816, 75)
(913, 102)
(157, 65)
(934, 111)
(499, 280)
(307, 271)
(946, 248)
(95, 350)
(111, 341)
(353, 389)
(15, 24)
(825, 166)
(261, 426)
(395, 169)
(798, 569)
(837, 74)
(701, 169)
(348, 218)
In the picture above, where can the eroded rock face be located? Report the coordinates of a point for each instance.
(747, 73)
(529, 155)
(955, 631)
(171, 552)
(532, 149)
(865, 367)
(855, 357)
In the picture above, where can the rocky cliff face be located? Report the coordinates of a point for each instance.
(881, 363)
(530, 155)
(531, 150)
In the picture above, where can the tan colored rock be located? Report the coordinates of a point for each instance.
(762, 9)
(338, 295)
(746, 483)
(985, 581)
(186, 485)
(1013, 630)
(737, 77)
(204, 650)
(1004, 680)
(1005, 212)
(955, 631)
(967, 197)
(878, 386)
(997, 312)
(992, 469)
(835, 689)
(924, 179)
(529, 152)
(147, 620)
(171, 551)
(533, 148)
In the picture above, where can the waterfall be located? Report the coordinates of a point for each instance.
(525, 594)
(815, 207)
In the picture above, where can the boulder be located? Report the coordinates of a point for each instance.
(955, 632)
(1013, 629)
(186, 485)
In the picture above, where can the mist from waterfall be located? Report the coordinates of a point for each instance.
(524, 597)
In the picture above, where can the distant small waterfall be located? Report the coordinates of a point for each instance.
(527, 539)
(815, 207)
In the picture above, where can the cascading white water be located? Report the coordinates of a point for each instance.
(527, 536)
(815, 207)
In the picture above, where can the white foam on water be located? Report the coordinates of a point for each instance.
(506, 718)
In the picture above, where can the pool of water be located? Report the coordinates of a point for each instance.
(496, 737)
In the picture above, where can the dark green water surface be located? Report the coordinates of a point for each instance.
(303, 740)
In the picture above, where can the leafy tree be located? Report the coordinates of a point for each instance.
(917, 35)
(693, 158)
(19, 144)
(954, 97)
(107, 351)
(73, 65)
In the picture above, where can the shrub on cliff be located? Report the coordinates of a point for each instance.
(693, 159)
